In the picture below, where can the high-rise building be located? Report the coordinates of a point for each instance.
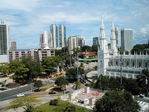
(117, 35)
(57, 36)
(4, 43)
(13, 46)
(126, 39)
(74, 42)
(54, 36)
(44, 40)
(95, 40)
(62, 36)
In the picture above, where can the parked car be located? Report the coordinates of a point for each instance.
(52, 92)
(80, 101)
(141, 96)
(20, 95)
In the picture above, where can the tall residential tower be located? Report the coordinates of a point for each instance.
(4, 43)
(126, 39)
(62, 36)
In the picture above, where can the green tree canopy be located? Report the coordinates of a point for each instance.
(61, 82)
(13, 65)
(70, 108)
(143, 81)
(21, 74)
(139, 48)
(34, 67)
(5, 69)
(116, 101)
(52, 61)
(94, 48)
(86, 48)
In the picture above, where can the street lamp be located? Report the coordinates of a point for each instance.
(146, 82)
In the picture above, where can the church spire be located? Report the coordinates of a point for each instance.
(113, 31)
(113, 40)
(102, 31)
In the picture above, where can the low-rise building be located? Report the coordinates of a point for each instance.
(37, 54)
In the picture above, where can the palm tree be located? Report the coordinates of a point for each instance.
(143, 81)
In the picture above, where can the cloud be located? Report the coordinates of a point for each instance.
(25, 5)
(28, 18)
(145, 30)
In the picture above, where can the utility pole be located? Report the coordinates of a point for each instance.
(77, 65)
(70, 59)
(121, 64)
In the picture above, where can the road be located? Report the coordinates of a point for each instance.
(43, 97)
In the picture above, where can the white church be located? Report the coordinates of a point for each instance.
(112, 63)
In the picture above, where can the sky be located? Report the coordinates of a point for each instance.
(29, 18)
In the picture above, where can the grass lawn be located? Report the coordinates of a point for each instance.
(22, 101)
(45, 87)
(61, 105)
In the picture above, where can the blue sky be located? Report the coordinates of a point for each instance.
(29, 18)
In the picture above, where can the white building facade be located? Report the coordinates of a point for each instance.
(75, 42)
(111, 63)
(36, 54)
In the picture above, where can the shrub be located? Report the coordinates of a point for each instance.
(70, 108)
(54, 102)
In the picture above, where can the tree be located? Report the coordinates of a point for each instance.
(131, 86)
(13, 65)
(38, 84)
(94, 48)
(70, 108)
(54, 102)
(61, 82)
(52, 61)
(116, 101)
(21, 74)
(139, 48)
(86, 48)
(77, 85)
(5, 69)
(28, 108)
(33, 66)
(143, 81)
(71, 74)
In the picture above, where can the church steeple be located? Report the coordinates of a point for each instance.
(103, 41)
(103, 52)
(113, 40)
(102, 31)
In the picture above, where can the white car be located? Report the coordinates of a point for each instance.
(20, 95)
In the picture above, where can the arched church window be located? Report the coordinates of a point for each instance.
(127, 63)
(116, 63)
(111, 63)
(140, 64)
(146, 64)
(133, 64)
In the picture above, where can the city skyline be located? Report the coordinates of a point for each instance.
(29, 18)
